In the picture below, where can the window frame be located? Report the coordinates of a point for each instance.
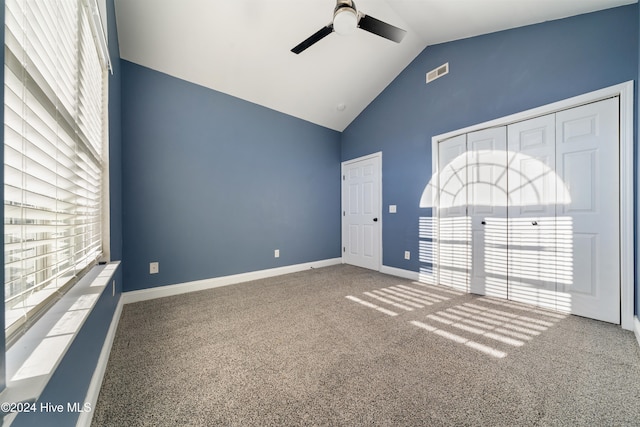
(87, 11)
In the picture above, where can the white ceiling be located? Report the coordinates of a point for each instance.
(243, 47)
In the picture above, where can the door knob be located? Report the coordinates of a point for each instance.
(375, 219)
(534, 222)
(484, 223)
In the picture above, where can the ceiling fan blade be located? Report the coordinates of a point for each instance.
(382, 29)
(316, 37)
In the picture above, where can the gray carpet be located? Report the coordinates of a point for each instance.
(347, 346)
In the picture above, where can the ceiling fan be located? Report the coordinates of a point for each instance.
(346, 18)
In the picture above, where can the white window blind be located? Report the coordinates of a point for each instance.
(54, 126)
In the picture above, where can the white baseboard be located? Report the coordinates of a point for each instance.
(216, 282)
(393, 271)
(636, 329)
(101, 367)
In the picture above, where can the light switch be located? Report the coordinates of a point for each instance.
(392, 208)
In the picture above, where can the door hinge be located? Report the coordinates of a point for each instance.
(344, 213)
(344, 177)
(344, 249)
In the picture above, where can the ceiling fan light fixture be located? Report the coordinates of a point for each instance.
(345, 21)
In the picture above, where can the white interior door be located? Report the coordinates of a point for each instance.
(531, 257)
(361, 212)
(487, 210)
(588, 230)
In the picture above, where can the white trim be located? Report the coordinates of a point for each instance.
(106, 171)
(636, 321)
(367, 157)
(105, 221)
(216, 282)
(627, 228)
(625, 92)
(98, 32)
(377, 154)
(435, 165)
(101, 367)
(399, 272)
(30, 364)
(622, 89)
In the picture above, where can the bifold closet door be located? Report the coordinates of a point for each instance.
(471, 215)
(588, 229)
(453, 226)
(531, 254)
(487, 209)
(530, 212)
(563, 215)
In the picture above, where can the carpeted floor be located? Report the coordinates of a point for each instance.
(344, 346)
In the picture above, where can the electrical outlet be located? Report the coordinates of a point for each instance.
(276, 253)
(154, 267)
(407, 255)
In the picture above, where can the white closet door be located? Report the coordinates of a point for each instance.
(487, 209)
(588, 229)
(563, 215)
(531, 257)
(535, 218)
(453, 222)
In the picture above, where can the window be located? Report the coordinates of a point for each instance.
(54, 128)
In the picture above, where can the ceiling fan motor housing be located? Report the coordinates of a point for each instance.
(345, 17)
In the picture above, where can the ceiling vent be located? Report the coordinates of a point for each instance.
(437, 72)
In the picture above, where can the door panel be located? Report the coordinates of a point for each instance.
(361, 208)
(354, 198)
(368, 198)
(588, 153)
(584, 279)
(452, 178)
(574, 165)
(452, 222)
(367, 247)
(487, 201)
(531, 213)
(354, 239)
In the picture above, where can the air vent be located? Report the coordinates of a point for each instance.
(438, 72)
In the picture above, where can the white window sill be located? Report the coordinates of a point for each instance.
(34, 357)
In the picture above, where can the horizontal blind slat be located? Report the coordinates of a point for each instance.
(54, 126)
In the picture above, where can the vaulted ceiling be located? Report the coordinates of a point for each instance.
(243, 47)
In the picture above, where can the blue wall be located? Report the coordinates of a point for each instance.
(490, 76)
(213, 184)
